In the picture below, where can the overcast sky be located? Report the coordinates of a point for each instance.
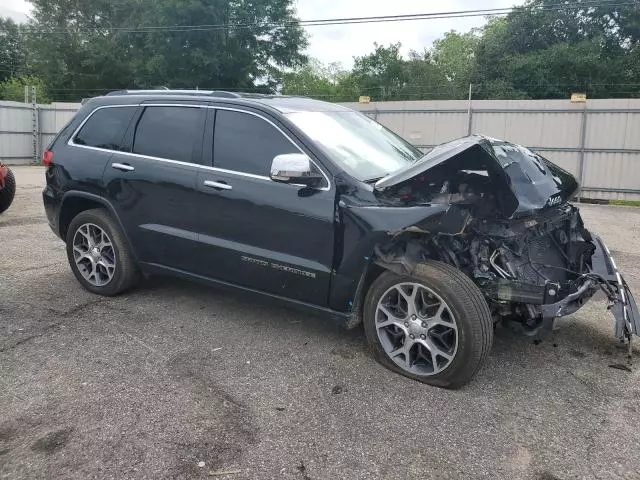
(340, 43)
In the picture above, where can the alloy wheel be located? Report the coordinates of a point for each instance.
(416, 329)
(94, 254)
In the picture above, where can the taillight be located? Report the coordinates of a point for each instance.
(47, 158)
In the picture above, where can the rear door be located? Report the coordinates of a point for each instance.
(254, 232)
(152, 183)
(92, 146)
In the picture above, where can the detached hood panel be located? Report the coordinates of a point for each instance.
(522, 181)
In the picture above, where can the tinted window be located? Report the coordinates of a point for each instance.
(105, 128)
(246, 143)
(169, 132)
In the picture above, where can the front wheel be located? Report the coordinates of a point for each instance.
(433, 326)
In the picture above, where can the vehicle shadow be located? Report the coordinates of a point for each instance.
(280, 313)
(586, 333)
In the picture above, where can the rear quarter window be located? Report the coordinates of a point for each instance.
(105, 128)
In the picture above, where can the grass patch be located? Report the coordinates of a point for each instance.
(626, 203)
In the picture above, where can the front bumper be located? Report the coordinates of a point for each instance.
(552, 301)
(621, 303)
(603, 276)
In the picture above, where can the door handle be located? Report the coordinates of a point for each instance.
(220, 185)
(123, 166)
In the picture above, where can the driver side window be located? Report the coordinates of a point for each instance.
(245, 143)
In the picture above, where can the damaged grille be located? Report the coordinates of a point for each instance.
(541, 256)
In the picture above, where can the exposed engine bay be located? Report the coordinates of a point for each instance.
(507, 224)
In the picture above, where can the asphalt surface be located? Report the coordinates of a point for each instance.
(176, 380)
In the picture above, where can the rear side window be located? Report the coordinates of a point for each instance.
(105, 128)
(246, 143)
(174, 133)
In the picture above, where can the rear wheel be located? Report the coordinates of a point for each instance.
(99, 254)
(8, 192)
(433, 326)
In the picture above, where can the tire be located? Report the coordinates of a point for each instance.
(8, 192)
(125, 274)
(464, 308)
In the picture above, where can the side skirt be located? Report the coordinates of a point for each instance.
(341, 318)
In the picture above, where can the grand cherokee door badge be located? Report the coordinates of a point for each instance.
(278, 266)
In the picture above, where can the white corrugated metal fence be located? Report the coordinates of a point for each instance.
(25, 129)
(599, 141)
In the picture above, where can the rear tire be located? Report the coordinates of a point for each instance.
(8, 192)
(102, 262)
(444, 339)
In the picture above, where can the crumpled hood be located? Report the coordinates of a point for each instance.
(526, 182)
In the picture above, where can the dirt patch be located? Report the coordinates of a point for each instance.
(223, 425)
(337, 390)
(546, 476)
(52, 441)
(7, 433)
(345, 353)
(22, 221)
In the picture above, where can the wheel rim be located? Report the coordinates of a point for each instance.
(416, 329)
(94, 254)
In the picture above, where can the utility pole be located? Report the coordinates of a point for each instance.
(34, 125)
(469, 112)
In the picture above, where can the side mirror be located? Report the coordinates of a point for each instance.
(294, 168)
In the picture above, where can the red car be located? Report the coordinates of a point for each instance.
(7, 187)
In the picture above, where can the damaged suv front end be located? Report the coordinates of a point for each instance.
(502, 217)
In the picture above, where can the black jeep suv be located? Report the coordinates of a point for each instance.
(320, 206)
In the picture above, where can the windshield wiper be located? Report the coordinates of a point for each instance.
(375, 179)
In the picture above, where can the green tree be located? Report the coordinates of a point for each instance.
(537, 51)
(424, 80)
(306, 80)
(325, 82)
(543, 52)
(87, 47)
(13, 89)
(12, 49)
(433, 74)
(382, 74)
(454, 56)
(226, 57)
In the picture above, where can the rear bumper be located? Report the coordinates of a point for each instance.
(51, 203)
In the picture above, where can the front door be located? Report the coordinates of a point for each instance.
(257, 233)
(152, 185)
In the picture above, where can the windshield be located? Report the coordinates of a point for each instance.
(364, 148)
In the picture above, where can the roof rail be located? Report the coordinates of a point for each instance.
(212, 93)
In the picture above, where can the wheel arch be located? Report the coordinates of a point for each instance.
(75, 202)
(399, 254)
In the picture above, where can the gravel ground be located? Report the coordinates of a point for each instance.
(175, 380)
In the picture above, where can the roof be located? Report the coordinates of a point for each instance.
(300, 104)
(282, 103)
